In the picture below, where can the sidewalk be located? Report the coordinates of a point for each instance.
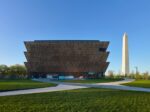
(69, 86)
(60, 87)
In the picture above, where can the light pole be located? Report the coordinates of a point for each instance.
(136, 69)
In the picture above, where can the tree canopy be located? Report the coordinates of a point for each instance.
(14, 71)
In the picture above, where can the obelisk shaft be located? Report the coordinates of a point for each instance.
(125, 56)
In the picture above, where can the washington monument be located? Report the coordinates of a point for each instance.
(125, 56)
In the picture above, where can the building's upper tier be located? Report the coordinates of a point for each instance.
(101, 44)
(56, 41)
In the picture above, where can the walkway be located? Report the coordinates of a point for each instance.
(110, 85)
(69, 86)
(60, 87)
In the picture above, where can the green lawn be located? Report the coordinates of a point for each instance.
(7, 85)
(81, 100)
(139, 83)
(92, 80)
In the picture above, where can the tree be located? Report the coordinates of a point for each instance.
(18, 71)
(3, 71)
(138, 76)
(111, 74)
(146, 76)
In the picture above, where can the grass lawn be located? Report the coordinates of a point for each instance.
(7, 85)
(139, 83)
(81, 100)
(92, 80)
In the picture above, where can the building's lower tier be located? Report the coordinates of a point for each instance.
(70, 75)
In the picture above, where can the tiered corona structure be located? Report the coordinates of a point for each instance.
(85, 58)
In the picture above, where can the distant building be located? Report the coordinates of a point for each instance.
(66, 58)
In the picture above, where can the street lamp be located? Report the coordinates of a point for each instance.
(136, 69)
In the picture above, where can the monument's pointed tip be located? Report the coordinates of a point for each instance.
(125, 34)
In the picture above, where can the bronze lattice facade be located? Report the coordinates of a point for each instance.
(85, 58)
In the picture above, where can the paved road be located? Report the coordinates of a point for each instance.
(69, 86)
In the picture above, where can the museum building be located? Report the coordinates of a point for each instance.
(62, 59)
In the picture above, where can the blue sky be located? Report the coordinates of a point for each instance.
(22, 20)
